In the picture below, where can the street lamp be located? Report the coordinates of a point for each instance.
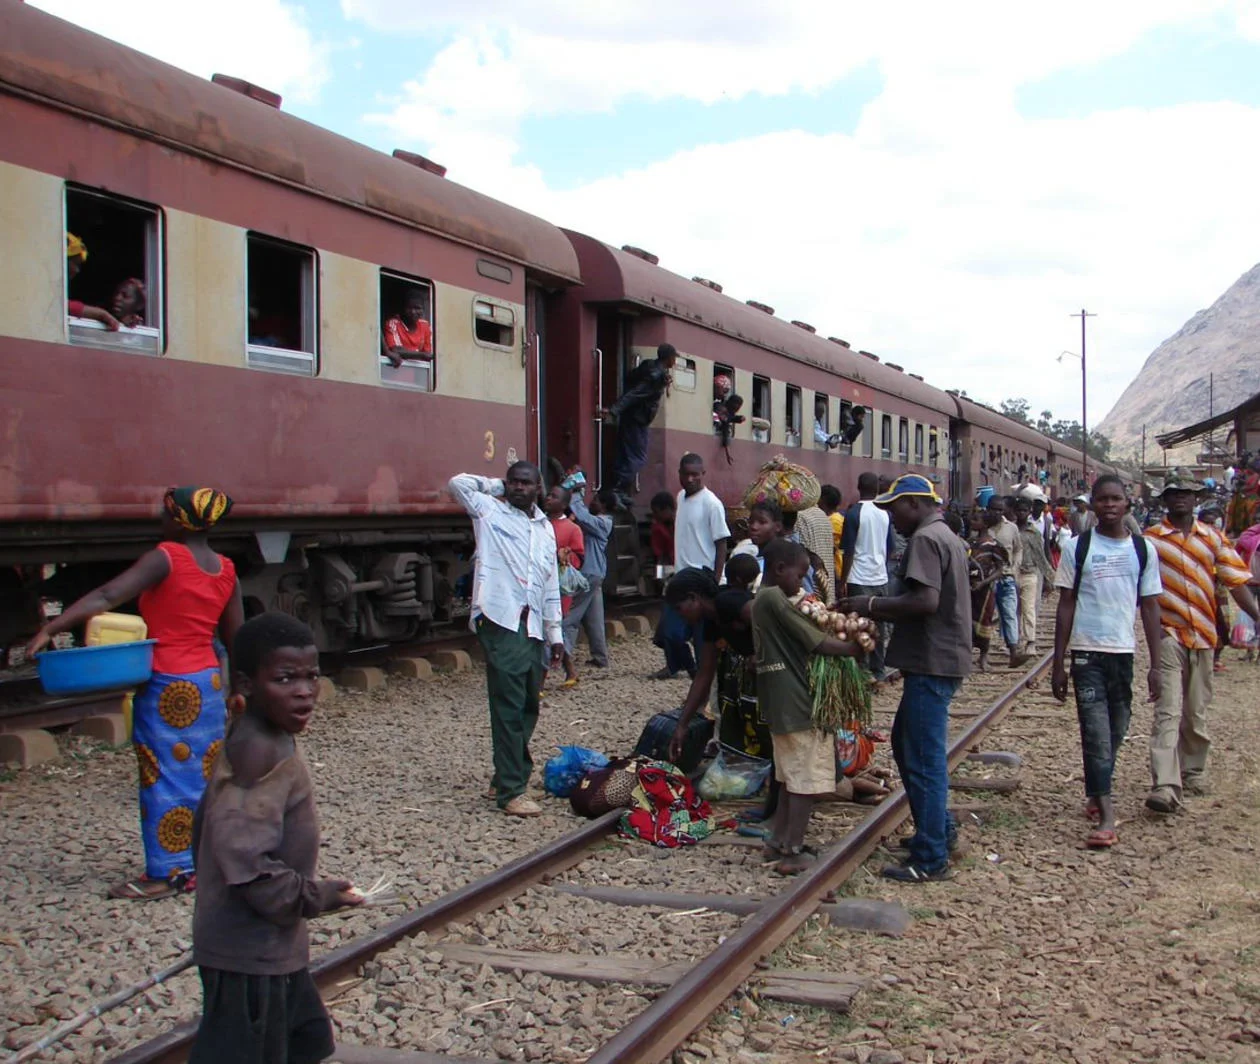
(1082, 314)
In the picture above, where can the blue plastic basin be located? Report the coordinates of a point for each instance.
(103, 668)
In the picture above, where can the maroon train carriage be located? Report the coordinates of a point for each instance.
(271, 250)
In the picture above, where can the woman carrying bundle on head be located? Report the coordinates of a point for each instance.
(187, 594)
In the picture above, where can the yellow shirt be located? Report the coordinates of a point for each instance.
(837, 530)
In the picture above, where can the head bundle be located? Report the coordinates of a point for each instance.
(196, 509)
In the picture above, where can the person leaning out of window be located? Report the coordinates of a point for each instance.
(408, 335)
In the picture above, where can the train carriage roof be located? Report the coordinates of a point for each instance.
(47, 59)
(611, 275)
(990, 420)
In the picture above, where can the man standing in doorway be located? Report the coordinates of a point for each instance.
(867, 537)
(1192, 558)
(931, 645)
(515, 606)
(634, 412)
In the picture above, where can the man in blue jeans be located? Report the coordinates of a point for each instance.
(931, 645)
(1006, 590)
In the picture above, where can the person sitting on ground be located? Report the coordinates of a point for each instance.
(256, 840)
(1094, 621)
(804, 757)
(129, 302)
(76, 257)
(634, 412)
(407, 335)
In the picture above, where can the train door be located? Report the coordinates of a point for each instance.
(532, 351)
(955, 471)
(612, 339)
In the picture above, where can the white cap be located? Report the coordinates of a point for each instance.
(1031, 491)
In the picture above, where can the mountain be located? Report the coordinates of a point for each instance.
(1171, 390)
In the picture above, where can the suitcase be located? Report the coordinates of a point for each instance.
(654, 742)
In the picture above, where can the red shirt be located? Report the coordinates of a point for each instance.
(419, 339)
(663, 543)
(183, 611)
(74, 307)
(569, 535)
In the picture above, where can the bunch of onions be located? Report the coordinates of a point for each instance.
(839, 686)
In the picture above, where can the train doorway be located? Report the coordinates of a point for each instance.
(612, 339)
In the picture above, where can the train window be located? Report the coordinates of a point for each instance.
(723, 390)
(903, 439)
(120, 273)
(494, 323)
(822, 420)
(283, 312)
(761, 409)
(846, 422)
(885, 435)
(918, 444)
(934, 447)
(407, 333)
(869, 434)
(792, 417)
(684, 374)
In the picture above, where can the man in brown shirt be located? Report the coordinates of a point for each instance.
(931, 645)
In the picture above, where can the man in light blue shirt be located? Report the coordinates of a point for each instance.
(515, 605)
(587, 610)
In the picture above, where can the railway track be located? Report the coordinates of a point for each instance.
(692, 994)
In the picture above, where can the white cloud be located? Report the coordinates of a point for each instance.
(263, 41)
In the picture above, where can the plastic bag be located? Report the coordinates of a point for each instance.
(572, 582)
(565, 771)
(733, 774)
(1243, 635)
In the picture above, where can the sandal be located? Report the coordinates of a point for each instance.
(1102, 839)
(753, 831)
(796, 863)
(142, 888)
(1092, 812)
(570, 683)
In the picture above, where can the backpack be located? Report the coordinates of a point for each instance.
(1082, 552)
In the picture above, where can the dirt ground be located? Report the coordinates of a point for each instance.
(1038, 950)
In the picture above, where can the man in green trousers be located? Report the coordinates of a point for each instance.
(515, 605)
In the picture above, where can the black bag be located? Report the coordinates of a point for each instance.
(654, 742)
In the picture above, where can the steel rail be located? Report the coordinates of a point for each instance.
(664, 1025)
(482, 895)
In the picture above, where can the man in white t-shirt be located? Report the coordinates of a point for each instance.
(700, 531)
(1095, 621)
(866, 543)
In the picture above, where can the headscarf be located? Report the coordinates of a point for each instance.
(75, 248)
(196, 509)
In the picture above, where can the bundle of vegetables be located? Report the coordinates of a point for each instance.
(792, 486)
(839, 687)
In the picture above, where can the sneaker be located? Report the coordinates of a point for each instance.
(522, 806)
(903, 843)
(910, 873)
(1161, 801)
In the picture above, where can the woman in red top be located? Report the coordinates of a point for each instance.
(187, 593)
(570, 551)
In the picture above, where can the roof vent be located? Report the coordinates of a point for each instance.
(246, 88)
(837, 340)
(639, 253)
(707, 283)
(873, 358)
(893, 365)
(428, 165)
(916, 376)
(763, 307)
(804, 325)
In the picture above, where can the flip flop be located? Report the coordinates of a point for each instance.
(571, 683)
(1102, 839)
(753, 831)
(142, 888)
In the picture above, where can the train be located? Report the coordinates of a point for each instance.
(270, 252)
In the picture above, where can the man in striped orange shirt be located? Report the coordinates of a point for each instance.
(1192, 557)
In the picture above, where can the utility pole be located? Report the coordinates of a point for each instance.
(1083, 314)
(1143, 450)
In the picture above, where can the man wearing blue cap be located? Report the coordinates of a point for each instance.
(931, 645)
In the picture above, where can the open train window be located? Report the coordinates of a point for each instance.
(918, 444)
(846, 422)
(934, 447)
(903, 439)
(407, 332)
(494, 323)
(281, 331)
(119, 275)
(723, 390)
(761, 409)
(869, 434)
(792, 416)
(885, 435)
(822, 420)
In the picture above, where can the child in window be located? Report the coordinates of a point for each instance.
(804, 758)
(256, 839)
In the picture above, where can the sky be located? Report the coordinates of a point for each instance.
(941, 184)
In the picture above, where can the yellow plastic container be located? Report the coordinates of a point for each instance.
(108, 628)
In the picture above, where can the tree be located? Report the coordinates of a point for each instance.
(1017, 410)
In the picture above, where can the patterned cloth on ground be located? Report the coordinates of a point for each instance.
(178, 726)
(666, 810)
